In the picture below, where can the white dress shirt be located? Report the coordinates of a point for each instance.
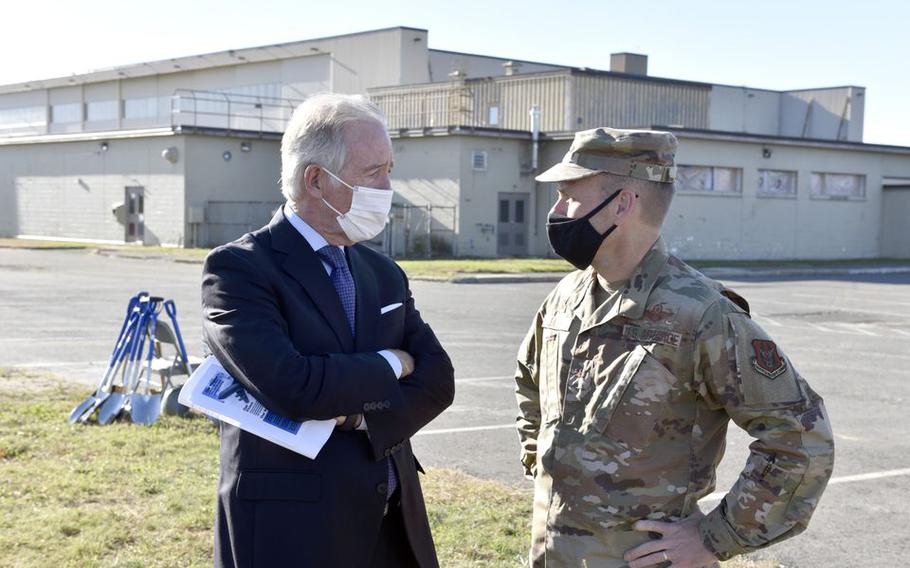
(317, 241)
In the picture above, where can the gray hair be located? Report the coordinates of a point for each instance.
(314, 135)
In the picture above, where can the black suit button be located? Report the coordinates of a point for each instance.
(382, 488)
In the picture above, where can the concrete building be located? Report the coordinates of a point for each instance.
(185, 152)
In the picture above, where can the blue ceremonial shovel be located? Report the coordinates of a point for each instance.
(145, 408)
(111, 407)
(171, 308)
(87, 407)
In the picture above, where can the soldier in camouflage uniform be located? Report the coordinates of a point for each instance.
(629, 375)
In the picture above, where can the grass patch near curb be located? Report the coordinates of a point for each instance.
(124, 250)
(132, 496)
(446, 268)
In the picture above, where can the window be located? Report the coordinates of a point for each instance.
(838, 186)
(494, 115)
(24, 118)
(68, 112)
(776, 183)
(101, 110)
(503, 210)
(709, 179)
(140, 108)
(269, 90)
(520, 211)
(479, 160)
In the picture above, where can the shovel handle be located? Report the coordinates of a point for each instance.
(171, 308)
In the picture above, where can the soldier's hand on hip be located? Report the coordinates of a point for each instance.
(680, 545)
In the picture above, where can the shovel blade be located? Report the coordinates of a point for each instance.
(145, 408)
(111, 408)
(81, 409)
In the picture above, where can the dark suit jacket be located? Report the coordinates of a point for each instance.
(274, 320)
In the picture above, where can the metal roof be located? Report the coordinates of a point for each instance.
(190, 63)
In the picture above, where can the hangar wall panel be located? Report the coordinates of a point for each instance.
(68, 189)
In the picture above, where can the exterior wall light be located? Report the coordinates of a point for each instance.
(170, 154)
(246, 146)
(227, 155)
(104, 146)
(766, 153)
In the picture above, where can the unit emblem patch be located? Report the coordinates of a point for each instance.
(767, 360)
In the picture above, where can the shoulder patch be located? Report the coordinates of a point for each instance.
(765, 374)
(767, 360)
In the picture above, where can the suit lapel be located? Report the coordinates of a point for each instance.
(304, 265)
(367, 300)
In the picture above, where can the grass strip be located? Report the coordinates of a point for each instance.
(132, 496)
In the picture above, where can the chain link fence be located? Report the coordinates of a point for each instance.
(413, 231)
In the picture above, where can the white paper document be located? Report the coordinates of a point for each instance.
(212, 391)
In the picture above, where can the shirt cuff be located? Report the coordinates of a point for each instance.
(718, 536)
(393, 361)
(363, 423)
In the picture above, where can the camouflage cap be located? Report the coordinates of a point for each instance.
(641, 154)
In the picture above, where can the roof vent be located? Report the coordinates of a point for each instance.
(511, 68)
(631, 63)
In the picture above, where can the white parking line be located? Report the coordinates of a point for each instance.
(855, 327)
(465, 429)
(718, 495)
(766, 319)
(54, 364)
(481, 379)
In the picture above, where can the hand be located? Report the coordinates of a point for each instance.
(340, 420)
(407, 362)
(680, 544)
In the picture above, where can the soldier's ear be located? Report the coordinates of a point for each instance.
(627, 202)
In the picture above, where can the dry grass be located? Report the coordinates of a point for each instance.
(133, 496)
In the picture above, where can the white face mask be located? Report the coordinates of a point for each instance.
(369, 211)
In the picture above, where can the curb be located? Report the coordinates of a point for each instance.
(553, 277)
(483, 278)
(716, 273)
(722, 272)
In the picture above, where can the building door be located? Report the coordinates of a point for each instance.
(135, 215)
(513, 224)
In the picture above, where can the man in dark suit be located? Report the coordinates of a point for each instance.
(316, 326)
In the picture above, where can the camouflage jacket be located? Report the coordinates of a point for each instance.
(624, 406)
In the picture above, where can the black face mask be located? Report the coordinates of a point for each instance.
(575, 239)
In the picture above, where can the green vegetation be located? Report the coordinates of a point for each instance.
(133, 496)
(123, 250)
(447, 268)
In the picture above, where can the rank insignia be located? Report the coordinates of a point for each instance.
(767, 360)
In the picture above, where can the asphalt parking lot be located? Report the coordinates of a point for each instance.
(850, 336)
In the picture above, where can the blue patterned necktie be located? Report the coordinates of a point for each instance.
(344, 285)
(341, 278)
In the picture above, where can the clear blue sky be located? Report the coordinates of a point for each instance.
(773, 44)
